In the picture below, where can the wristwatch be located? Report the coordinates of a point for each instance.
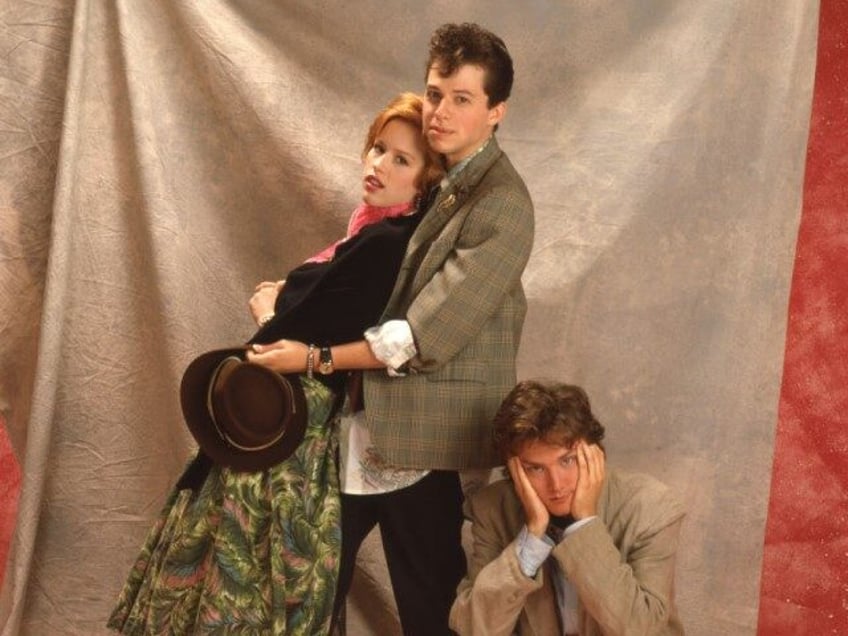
(325, 361)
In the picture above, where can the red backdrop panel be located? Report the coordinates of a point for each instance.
(804, 585)
(10, 483)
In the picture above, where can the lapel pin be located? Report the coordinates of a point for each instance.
(448, 202)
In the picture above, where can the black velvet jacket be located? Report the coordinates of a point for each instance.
(336, 301)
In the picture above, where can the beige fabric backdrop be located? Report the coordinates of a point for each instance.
(159, 158)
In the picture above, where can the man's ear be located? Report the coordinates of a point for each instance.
(496, 114)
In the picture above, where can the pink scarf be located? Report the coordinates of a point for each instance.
(363, 215)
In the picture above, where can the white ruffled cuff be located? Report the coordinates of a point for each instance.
(392, 344)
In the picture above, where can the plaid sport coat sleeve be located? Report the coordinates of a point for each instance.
(479, 267)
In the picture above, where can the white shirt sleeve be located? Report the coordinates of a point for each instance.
(532, 551)
(579, 524)
(392, 344)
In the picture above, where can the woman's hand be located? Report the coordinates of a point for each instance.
(535, 511)
(283, 356)
(264, 297)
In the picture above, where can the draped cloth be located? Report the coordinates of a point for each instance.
(160, 158)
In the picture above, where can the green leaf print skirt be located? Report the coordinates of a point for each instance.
(249, 553)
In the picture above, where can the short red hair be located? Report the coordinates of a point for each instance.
(408, 107)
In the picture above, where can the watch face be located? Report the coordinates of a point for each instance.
(325, 362)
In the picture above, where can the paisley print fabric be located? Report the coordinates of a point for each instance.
(250, 553)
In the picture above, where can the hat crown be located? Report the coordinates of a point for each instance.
(243, 416)
(249, 404)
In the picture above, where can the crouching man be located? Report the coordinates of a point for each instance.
(566, 546)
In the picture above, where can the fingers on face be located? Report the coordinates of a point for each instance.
(519, 477)
(590, 457)
(514, 466)
(581, 452)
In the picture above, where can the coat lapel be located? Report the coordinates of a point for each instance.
(453, 197)
(446, 204)
(541, 608)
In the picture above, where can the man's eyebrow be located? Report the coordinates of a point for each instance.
(456, 91)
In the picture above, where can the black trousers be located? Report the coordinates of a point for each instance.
(421, 529)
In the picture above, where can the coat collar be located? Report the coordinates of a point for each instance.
(454, 195)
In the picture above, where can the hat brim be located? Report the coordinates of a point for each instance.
(194, 389)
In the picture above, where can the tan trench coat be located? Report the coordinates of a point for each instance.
(621, 564)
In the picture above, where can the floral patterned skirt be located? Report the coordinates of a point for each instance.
(249, 553)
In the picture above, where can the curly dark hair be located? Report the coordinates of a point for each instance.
(455, 45)
(552, 412)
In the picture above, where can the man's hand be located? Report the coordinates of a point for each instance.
(536, 513)
(590, 479)
(283, 356)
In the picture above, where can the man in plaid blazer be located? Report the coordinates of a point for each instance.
(443, 355)
(451, 328)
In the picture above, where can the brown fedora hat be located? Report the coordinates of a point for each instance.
(243, 415)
